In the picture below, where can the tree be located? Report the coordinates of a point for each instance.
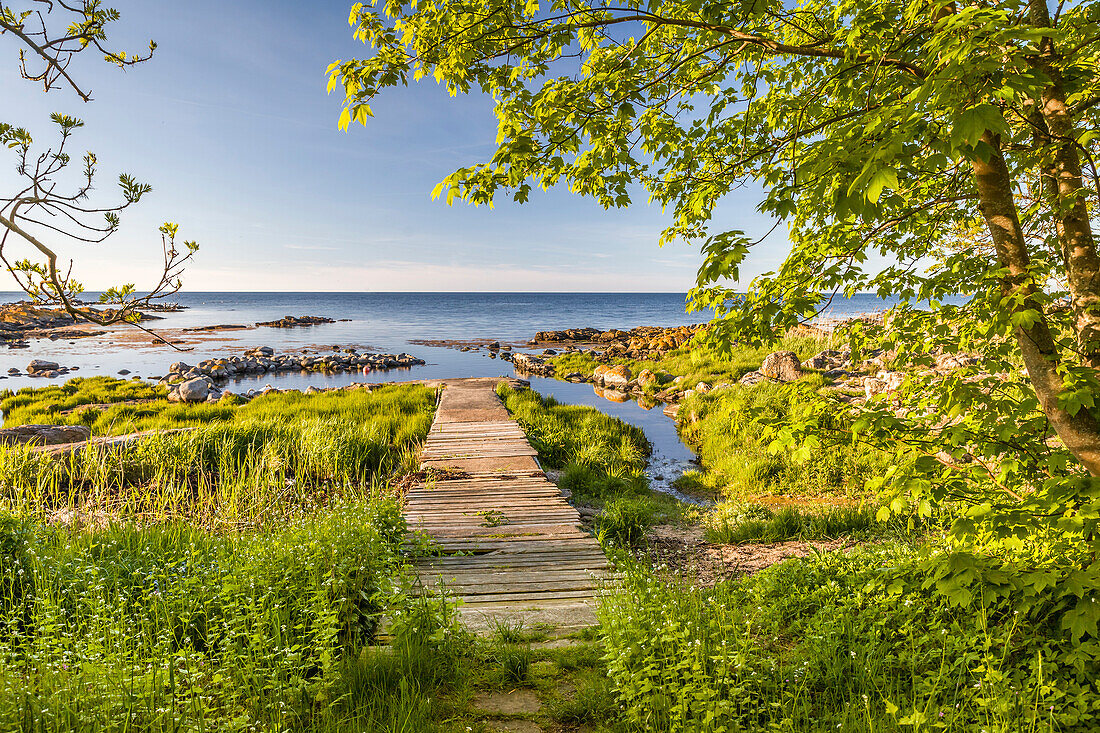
(50, 34)
(956, 140)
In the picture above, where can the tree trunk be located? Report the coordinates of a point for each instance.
(1080, 433)
(1071, 215)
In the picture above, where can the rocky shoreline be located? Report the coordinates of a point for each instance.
(853, 379)
(202, 382)
(25, 320)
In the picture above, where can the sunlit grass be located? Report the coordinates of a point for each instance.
(276, 456)
(698, 364)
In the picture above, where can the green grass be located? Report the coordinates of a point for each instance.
(850, 642)
(697, 364)
(568, 435)
(737, 523)
(171, 627)
(602, 460)
(103, 404)
(275, 457)
(722, 428)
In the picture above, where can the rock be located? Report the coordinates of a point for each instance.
(617, 377)
(194, 390)
(782, 366)
(312, 390)
(512, 703)
(495, 346)
(752, 379)
(529, 364)
(702, 388)
(41, 365)
(872, 386)
(45, 434)
(13, 370)
(950, 362)
(672, 411)
(179, 368)
(294, 321)
(123, 372)
(646, 378)
(836, 374)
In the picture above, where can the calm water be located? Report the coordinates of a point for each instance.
(388, 322)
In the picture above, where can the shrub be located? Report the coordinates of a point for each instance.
(859, 641)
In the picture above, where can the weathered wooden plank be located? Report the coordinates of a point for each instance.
(537, 557)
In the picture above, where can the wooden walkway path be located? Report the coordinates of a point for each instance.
(525, 559)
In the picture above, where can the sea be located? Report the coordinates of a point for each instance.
(391, 323)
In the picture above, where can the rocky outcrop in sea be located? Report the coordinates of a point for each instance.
(201, 382)
(296, 321)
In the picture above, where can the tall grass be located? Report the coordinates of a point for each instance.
(115, 407)
(602, 461)
(169, 627)
(567, 435)
(272, 458)
(724, 429)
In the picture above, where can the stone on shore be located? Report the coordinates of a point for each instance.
(45, 434)
(752, 379)
(782, 366)
(194, 390)
(617, 377)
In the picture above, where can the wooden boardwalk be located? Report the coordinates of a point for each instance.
(525, 558)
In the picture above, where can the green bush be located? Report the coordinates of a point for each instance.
(856, 642)
(624, 521)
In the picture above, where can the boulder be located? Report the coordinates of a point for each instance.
(194, 390)
(702, 388)
(951, 362)
(617, 377)
(646, 378)
(45, 434)
(532, 365)
(41, 365)
(782, 366)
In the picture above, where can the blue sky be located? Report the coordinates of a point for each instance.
(231, 125)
